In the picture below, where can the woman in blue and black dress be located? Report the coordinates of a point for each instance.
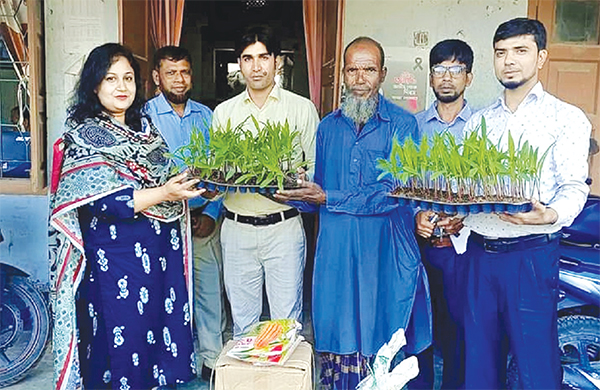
(120, 265)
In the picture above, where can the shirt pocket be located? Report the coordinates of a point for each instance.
(370, 172)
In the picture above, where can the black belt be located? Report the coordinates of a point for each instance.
(264, 220)
(509, 244)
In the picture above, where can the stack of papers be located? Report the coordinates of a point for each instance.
(268, 342)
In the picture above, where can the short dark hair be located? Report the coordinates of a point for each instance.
(171, 53)
(85, 99)
(522, 26)
(358, 40)
(262, 34)
(452, 50)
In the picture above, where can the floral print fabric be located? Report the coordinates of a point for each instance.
(101, 157)
(133, 313)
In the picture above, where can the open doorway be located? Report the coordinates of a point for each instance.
(209, 32)
(210, 29)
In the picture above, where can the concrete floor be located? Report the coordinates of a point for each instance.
(40, 378)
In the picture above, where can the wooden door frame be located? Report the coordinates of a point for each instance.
(147, 56)
(339, 47)
(536, 11)
(545, 10)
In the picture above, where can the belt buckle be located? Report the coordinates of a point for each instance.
(261, 221)
(486, 246)
(490, 246)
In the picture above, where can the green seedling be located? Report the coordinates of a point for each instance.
(267, 154)
(441, 168)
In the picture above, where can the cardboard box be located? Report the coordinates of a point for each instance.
(295, 374)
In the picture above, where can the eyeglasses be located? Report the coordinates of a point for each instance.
(440, 70)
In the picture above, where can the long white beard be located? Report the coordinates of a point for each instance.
(359, 110)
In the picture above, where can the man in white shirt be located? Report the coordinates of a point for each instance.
(512, 279)
(263, 241)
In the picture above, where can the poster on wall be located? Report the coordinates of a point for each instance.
(406, 82)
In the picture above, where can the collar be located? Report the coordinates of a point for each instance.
(432, 113)
(162, 104)
(536, 94)
(275, 94)
(164, 107)
(383, 109)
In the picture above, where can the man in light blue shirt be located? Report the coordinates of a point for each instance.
(176, 116)
(451, 62)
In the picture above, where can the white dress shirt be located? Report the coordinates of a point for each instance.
(546, 122)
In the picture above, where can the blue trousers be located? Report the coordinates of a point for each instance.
(445, 271)
(511, 304)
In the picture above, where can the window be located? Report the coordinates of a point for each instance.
(578, 21)
(22, 133)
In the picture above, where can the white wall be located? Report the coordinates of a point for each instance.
(393, 23)
(73, 29)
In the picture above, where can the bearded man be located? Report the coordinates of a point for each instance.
(512, 260)
(368, 276)
(451, 62)
(176, 116)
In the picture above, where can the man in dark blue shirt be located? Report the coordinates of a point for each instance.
(368, 277)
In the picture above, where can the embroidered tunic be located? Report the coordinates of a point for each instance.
(120, 282)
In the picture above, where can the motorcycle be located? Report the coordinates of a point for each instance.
(578, 302)
(24, 324)
(579, 299)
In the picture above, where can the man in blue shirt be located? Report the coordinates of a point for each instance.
(451, 62)
(368, 277)
(176, 116)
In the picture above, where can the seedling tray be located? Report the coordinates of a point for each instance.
(482, 206)
(242, 188)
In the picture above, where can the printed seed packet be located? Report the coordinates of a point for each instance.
(268, 342)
